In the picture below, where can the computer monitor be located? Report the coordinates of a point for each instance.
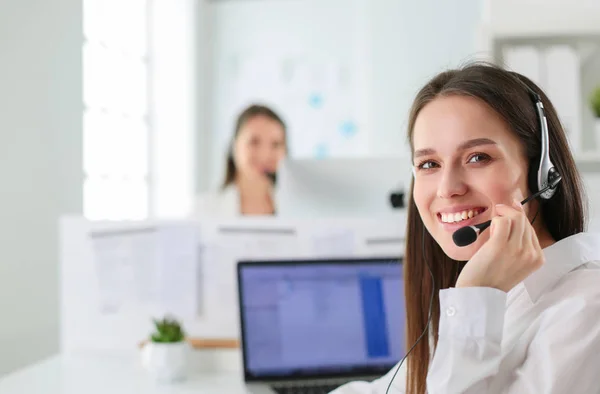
(315, 319)
(351, 187)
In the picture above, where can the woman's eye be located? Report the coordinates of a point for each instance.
(426, 165)
(479, 157)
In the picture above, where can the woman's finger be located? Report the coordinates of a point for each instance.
(500, 229)
(507, 210)
(517, 224)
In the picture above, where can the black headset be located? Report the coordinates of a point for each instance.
(543, 180)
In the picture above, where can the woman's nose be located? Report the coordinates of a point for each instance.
(451, 184)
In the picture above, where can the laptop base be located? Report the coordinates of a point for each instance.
(299, 387)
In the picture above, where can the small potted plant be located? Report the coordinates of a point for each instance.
(595, 105)
(165, 355)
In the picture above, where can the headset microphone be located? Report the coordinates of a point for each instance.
(467, 235)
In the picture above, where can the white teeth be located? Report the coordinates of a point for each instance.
(459, 216)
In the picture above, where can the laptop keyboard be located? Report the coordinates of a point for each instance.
(317, 389)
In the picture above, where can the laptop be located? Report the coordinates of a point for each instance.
(309, 326)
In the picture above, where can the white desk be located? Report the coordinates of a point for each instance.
(120, 374)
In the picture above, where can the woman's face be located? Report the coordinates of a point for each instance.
(466, 161)
(259, 146)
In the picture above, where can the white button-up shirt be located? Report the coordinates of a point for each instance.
(542, 337)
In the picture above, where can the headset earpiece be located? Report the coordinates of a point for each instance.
(532, 176)
(542, 173)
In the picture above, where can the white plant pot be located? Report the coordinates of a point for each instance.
(166, 362)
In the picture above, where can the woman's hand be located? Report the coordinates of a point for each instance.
(256, 183)
(510, 255)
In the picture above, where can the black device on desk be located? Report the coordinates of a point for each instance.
(397, 199)
(309, 326)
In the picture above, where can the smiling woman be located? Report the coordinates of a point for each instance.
(258, 145)
(495, 310)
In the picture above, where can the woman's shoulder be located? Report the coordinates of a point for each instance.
(221, 202)
(570, 275)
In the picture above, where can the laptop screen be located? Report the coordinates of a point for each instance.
(321, 318)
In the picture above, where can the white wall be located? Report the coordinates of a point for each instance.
(202, 88)
(40, 167)
(392, 46)
(410, 42)
(276, 31)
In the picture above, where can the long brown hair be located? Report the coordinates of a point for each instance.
(247, 114)
(564, 214)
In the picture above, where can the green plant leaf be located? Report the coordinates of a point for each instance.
(595, 102)
(168, 330)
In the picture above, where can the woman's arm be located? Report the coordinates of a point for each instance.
(562, 358)
(378, 386)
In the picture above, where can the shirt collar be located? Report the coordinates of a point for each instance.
(561, 258)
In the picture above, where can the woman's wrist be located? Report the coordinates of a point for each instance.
(466, 284)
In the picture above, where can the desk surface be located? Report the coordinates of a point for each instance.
(111, 374)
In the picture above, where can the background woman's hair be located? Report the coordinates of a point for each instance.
(564, 214)
(249, 113)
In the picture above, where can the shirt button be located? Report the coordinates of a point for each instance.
(450, 311)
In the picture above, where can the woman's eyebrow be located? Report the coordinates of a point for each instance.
(465, 145)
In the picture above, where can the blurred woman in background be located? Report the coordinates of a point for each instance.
(258, 145)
